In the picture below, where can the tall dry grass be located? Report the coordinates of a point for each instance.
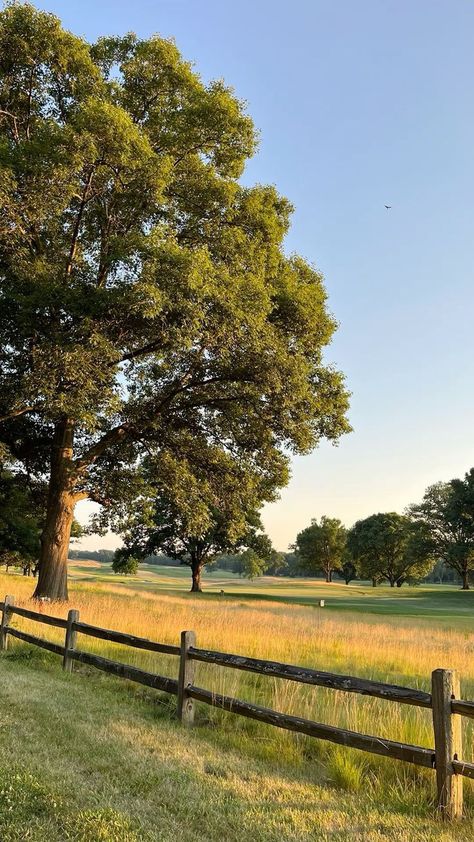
(397, 650)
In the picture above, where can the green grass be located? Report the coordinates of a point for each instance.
(90, 758)
(447, 604)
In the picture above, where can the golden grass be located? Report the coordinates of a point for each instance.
(393, 649)
(399, 651)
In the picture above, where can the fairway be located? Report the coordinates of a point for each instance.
(445, 604)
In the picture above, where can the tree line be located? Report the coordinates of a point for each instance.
(392, 547)
(431, 537)
(398, 548)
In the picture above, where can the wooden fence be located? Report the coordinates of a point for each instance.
(443, 701)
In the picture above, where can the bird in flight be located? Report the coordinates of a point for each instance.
(388, 207)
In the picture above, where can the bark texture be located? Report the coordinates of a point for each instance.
(52, 573)
(196, 570)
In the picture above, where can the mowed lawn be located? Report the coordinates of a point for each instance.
(89, 757)
(445, 603)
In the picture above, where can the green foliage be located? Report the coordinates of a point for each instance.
(276, 564)
(21, 511)
(321, 546)
(145, 294)
(196, 517)
(249, 564)
(102, 556)
(347, 570)
(390, 546)
(124, 563)
(447, 513)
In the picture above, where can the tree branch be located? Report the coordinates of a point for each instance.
(16, 412)
(80, 495)
(124, 430)
(112, 437)
(77, 224)
(16, 135)
(145, 349)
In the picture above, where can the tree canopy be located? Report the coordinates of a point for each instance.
(145, 294)
(196, 507)
(447, 512)
(390, 546)
(321, 546)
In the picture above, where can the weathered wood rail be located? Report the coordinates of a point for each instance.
(444, 700)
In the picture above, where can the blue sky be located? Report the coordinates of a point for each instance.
(359, 105)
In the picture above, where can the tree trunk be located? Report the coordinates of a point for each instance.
(465, 580)
(52, 578)
(196, 569)
(392, 583)
(374, 582)
(328, 575)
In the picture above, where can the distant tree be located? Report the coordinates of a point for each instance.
(348, 570)
(224, 561)
(364, 549)
(195, 518)
(321, 546)
(389, 546)
(195, 548)
(125, 563)
(146, 294)
(161, 560)
(447, 512)
(103, 556)
(293, 567)
(276, 564)
(441, 573)
(249, 564)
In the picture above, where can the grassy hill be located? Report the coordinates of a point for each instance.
(88, 757)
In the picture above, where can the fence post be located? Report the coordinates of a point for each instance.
(185, 709)
(448, 743)
(70, 642)
(6, 616)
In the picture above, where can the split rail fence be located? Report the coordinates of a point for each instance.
(444, 700)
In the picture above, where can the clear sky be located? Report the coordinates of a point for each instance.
(359, 104)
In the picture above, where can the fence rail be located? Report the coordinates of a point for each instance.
(443, 701)
(349, 684)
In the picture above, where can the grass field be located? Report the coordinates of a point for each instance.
(88, 757)
(447, 604)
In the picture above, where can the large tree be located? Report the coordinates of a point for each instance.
(144, 292)
(447, 511)
(390, 546)
(321, 546)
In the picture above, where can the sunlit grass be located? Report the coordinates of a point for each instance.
(395, 649)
